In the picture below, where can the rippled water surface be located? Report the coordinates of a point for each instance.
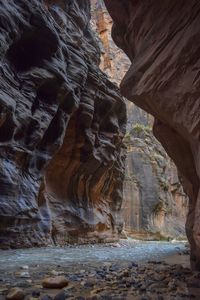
(126, 250)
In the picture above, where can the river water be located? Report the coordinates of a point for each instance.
(125, 250)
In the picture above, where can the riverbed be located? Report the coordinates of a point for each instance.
(129, 269)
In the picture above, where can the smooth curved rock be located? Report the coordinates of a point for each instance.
(58, 282)
(61, 128)
(15, 294)
(161, 39)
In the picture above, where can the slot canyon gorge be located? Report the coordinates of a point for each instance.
(99, 149)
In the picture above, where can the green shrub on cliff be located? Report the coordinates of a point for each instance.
(140, 128)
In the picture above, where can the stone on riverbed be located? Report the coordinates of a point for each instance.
(15, 294)
(23, 274)
(57, 282)
(60, 296)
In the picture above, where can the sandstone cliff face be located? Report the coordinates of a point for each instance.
(154, 201)
(161, 39)
(61, 128)
(113, 60)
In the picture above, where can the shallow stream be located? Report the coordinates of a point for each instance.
(125, 250)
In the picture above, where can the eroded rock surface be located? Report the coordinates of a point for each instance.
(61, 128)
(161, 39)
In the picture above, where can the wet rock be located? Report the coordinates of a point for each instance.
(134, 265)
(73, 277)
(23, 274)
(25, 267)
(158, 285)
(60, 296)
(172, 284)
(107, 264)
(46, 297)
(36, 294)
(15, 294)
(4, 290)
(89, 284)
(55, 282)
(194, 283)
(159, 277)
(56, 273)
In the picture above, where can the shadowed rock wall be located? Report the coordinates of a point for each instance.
(61, 128)
(161, 39)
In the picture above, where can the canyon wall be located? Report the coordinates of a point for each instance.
(161, 40)
(61, 128)
(154, 204)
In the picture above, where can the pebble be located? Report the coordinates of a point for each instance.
(3, 290)
(56, 273)
(107, 264)
(46, 297)
(24, 267)
(60, 296)
(15, 294)
(172, 284)
(23, 274)
(36, 294)
(194, 283)
(55, 282)
(29, 281)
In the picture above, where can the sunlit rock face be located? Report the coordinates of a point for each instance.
(61, 128)
(154, 204)
(114, 62)
(161, 39)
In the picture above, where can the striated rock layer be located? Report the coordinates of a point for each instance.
(154, 204)
(161, 39)
(61, 128)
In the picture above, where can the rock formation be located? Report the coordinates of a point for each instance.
(154, 203)
(161, 40)
(114, 62)
(61, 128)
